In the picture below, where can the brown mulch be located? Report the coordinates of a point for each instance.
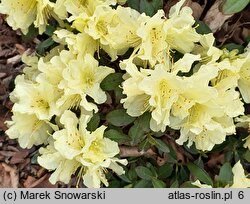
(18, 167)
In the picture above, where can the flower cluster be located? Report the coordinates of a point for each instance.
(51, 97)
(176, 74)
(196, 93)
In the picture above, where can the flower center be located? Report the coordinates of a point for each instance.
(165, 92)
(102, 27)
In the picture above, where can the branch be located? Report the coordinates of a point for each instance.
(126, 151)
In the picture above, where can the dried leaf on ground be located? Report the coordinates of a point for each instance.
(196, 7)
(19, 157)
(215, 18)
(9, 176)
(32, 182)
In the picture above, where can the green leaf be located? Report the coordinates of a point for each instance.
(200, 173)
(34, 158)
(144, 121)
(158, 134)
(138, 131)
(114, 184)
(144, 173)
(125, 178)
(188, 184)
(175, 184)
(116, 136)
(165, 171)
(183, 174)
(151, 139)
(119, 118)
(49, 30)
(32, 33)
(226, 174)
(150, 7)
(135, 4)
(144, 145)
(162, 146)
(247, 39)
(233, 46)
(41, 48)
(234, 6)
(158, 183)
(202, 28)
(132, 175)
(118, 95)
(112, 81)
(136, 134)
(152, 169)
(247, 155)
(192, 149)
(93, 123)
(143, 184)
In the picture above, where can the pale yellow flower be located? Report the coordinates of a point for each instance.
(198, 184)
(209, 53)
(136, 101)
(75, 142)
(197, 89)
(99, 24)
(180, 34)
(240, 179)
(22, 13)
(74, 147)
(153, 46)
(185, 63)
(83, 77)
(38, 99)
(247, 142)
(163, 88)
(95, 174)
(28, 129)
(60, 9)
(52, 70)
(51, 159)
(44, 11)
(80, 43)
(31, 69)
(124, 35)
(244, 81)
(205, 137)
(244, 121)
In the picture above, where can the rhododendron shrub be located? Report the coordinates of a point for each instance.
(116, 84)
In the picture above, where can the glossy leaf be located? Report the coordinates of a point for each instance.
(116, 136)
(146, 6)
(93, 123)
(233, 46)
(44, 45)
(202, 28)
(165, 170)
(200, 173)
(158, 183)
(143, 184)
(234, 6)
(119, 118)
(162, 146)
(138, 131)
(226, 174)
(112, 81)
(144, 172)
